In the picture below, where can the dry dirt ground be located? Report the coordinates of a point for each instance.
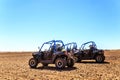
(14, 66)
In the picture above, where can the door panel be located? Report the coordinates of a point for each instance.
(86, 53)
(47, 55)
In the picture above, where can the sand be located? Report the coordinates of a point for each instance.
(14, 66)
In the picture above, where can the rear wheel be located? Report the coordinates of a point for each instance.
(100, 58)
(70, 63)
(33, 63)
(60, 63)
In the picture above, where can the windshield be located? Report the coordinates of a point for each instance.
(87, 46)
(45, 47)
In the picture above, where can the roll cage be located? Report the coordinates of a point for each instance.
(71, 46)
(52, 44)
(84, 44)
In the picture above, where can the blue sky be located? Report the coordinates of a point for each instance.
(26, 24)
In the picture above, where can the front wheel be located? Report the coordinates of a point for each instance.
(33, 63)
(70, 63)
(77, 59)
(100, 58)
(60, 63)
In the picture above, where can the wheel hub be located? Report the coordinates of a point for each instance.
(60, 64)
(32, 62)
(99, 58)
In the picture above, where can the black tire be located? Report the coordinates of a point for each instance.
(33, 63)
(76, 59)
(60, 63)
(70, 63)
(100, 58)
(44, 64)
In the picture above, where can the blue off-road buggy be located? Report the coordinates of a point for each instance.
(72, 49)
(52, 52)
(89, 51)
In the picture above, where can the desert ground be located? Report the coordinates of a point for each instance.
(14, 66)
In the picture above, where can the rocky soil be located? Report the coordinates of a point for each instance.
(14, 66)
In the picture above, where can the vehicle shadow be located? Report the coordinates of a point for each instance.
(54, 68)
(87, 62)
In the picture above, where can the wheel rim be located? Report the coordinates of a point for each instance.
(59, 64)
(99, 58)
(32, 62)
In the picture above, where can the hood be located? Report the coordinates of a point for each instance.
(35, 53)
